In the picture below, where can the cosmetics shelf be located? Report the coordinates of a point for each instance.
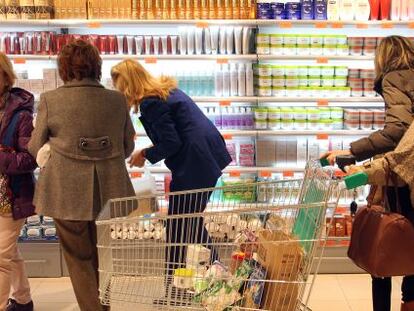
(317, 59)
(291, 101)
(387, 24)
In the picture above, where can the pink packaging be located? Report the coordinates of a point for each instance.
(367, 125)
(357, 92)
(246, 160)
(356, 83)
(351, 125)
(356, 50)
(372, 41)
(356, 41)
(366, 115)
(369, 84)
(351, 115)
(369, 50)
(367, 74)
(369, 92)
(354, 73)
(379, 115)
(246, 148)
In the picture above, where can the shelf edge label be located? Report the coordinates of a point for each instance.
(94, 25)
(225, 103)
(234, 173)
(19, 60)
(150, 60)
(285, 24)
(322, 60)
(337, 25)
(202, 25)
(265, 174)
(288, 174)
(135, 175)
(222, 60)
(323, 102)
(362, 26)
(321, 25)
(322, 136)
(387, 25)
(227, 136)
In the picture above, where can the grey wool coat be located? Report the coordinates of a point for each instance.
(91, 134)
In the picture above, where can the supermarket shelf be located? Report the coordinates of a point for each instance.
(24, 58)
(213, 99)
(312, 132)
(316, 100)
(358, 24)
(321, 59)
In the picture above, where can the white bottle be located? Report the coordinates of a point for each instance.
(396, 10)
(347, 10)
(233, 80)
(218, 81)
(226, 81)
(411, 9)
(333, 10)
(249, 80)
(405, 10)
(363, 10)
(241, 83)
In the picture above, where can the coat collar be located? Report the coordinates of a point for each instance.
(82, 83)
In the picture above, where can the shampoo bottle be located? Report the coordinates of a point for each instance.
(241, 80)
(233, 80)
(411, 9)
(385, 8)
(226, 80)
(396, 10)
(249, 80)
(218, 81)
(405, 12)
(363, 10)
(333, 10)
(375, 9)
(347, 10)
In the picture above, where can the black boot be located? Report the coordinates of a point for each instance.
(14, 306)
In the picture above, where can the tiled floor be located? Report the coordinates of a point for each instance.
(331, 293)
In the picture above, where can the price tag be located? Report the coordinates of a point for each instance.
(285, 24)
(202, 24)
(234, 173)
(322, 60)
(411, 25)
(323, 102)
(19, 60)
(322, 136)
(265, 174)
(321, 25)
(387, 25)
(135, 175)
(227, 136)
(337, 25)
(150, 60)
(288, 174)
(345, 243)
(362, 26)
(94, 25)
(221, 61)
(224, 103)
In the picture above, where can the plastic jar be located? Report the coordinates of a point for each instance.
(357, 92)
(300, 125)
(263, 38)
(303, 81)
(316, 49)
(343, 91)
(342, 50)
(286, 113)
(325, 124)
(260, 124)
(260, 114)
(356, 83)
(367, 74)
(278, 91)
(264, 70)
(274, 124)
(379, 115)
(276, 49)
(265, 81)
(353, 73)
(278, 71)
(326, 91)
(274, 114)
(263, 49)
(303, 70)
(316, 91)
(277, 39)
(351, 115)
(313, 125)
(364, 125)
(286, 125)
(316, 40)
(303, 50)
(313, 114)
(314, 70)
(342, 39)
(324, 112)
(279, 81)
(369, 92)
(340, 81)
(370, 41)
(292, 81)
(330, 40)
(329, 50)
(351, 125)
(366, 115)
(303, 39)
(369, 84)
(305, 91)
(356, 41)
(290, 39)
(356, 50)
(300, 114)
(292, 71)
(369, 50)
(328, 71)
(337, 113)
(341, 71)
(337, 124)
(264, 91)
(328, 81)
(289, 49)
(314, 81)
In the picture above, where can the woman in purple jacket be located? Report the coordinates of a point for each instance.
(16, 125)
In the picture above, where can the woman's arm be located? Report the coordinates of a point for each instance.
(20, 161)
(398, 117)
(40, 134)
(158, 115)
(129, 135)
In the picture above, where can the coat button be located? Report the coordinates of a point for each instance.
(83, 143)
(104, 143)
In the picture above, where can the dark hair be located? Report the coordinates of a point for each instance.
(79, 60)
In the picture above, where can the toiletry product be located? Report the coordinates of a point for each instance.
(189, 9)
(333, 10)
(230, 40)
(156, 40)
(130, 44)
(197, 9)
(199, 40)
(411, 9)
(222, 39)
(385, 9)
(228, 9)
(236, 9)
(375, 9)
(307, 9)
(218, 81)
(207, 41)
(214, 35)
(241, 80)
(362, 10)
(320, 11)
(181, 9)
(238, 39)
(226, 80)
(249, 80)
(190, 40)
(174, 40)
(212, 9)
(347, 10)
(204, 9)
(148, 40)
(138, 44)
(405, 9)
(247, 34)
(120, 44)
(293, 10)
(396, 9)
(173, 9)
(220, 9)
(233, 80)
(183, 40)
(165, 9)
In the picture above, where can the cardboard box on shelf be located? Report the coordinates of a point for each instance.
(266, 152)
(281, 152)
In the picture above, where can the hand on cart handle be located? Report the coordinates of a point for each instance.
(331, 156)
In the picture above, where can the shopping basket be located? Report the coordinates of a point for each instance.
(244, 246)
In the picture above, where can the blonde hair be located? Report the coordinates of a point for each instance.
(6, 68)
(394, 53)
(131, 78)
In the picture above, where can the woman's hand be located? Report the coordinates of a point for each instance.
(353, 169)
(331, 155)
(137, 159)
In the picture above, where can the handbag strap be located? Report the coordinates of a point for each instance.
(392, 177)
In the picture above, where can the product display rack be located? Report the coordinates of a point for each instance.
(336, 255)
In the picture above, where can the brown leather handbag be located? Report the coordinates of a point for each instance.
(382, 243)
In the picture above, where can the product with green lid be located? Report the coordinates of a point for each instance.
(264, 70)
(341, 71)
(260, 124)
(300, 114)
(303, 50)
(276, 49)
(287, 124)
(292, 81)
(292, 71)
(316, 40)
(303, 70)
(278, 91)
(264, 91)
(290, 39)
(342, 39)
(278, 81)
(263, 49)
(340, 81)
(292, 91)
(329, 50)
(328, 71)
(316, 50)
(274, 124)
(289, 49)
(300, 124)
(315, 70)
(303, 39)
(325, 124)
(286, 113)
(327, 81)
(337, 124)
(324, 112)
(278, 39)
(303, 81)
(265, 81)
(274, 113)
(337, 113)
(330, 40)
(342, 50)
(278, 71)
(260, 113)
(313, 114)
(314, 81)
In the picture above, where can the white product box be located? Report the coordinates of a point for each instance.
(280, 152)
(302, 151)
(313, 149)
(291, 152)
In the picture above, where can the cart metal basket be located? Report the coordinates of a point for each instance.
(245, 246)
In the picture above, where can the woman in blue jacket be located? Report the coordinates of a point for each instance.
(192, 147)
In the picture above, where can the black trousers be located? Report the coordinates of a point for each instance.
(381, 287)
(185, 229)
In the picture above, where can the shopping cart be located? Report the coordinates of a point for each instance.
(243, 246)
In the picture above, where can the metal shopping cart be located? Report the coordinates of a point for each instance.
(243, 246)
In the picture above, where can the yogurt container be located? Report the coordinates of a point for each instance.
(263, 38)
(366, 115)
(351, 125)
(324, 113)
(330, 40)
(292, 91)
(340, 81)
(357, 92)
(286, 113)
(277, 39)
(260, 124)
(356, 83)
(303, 70)
(327, 81)
(343, 91)
(316, 91)
(290, 39)
(337, 113)
(379, 115)
(279, 81)
(289, 49)
(369, 92)
(329, 50)
(303, 50)
(287, 125)
(292, 81)
(356, 41)
(300, 114)
(279, 91)
(342, 40)
(263, 49)
(369, 50)
(274, 114)
(260, 114)
(313, 125)
(303, 39)
(342, 50)
(364, 125)
(314, 70)
(370, 41)
(369, 83)
(305, 91)
(300, 125)
(355, 50)
(292, 71)
(317, 40)
(316, 49)
(276, 49)
(274, 124)
(341, 71)
(314, 81)
(264, 91)
(278, 71)
(303, 81)
(325, 124)
(264, 70)
(265, 81)
(183, 278)
(367, 74)
(313, 114)
(351, 115)
(337, 124)
(328, 71)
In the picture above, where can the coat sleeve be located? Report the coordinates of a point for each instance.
(398, 117)
(40, 134)
(21, 161)
(129, 135)
(158, 114)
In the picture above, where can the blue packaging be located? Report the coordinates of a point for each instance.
(307, 9)
(320, 9)
(293, 10)
(278, 10)
(264, 14)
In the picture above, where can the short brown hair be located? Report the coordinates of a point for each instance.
(6, 68)
(79, 60)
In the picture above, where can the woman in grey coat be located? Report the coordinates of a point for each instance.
(90, 134)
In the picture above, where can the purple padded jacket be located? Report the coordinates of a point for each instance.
(19, 166)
